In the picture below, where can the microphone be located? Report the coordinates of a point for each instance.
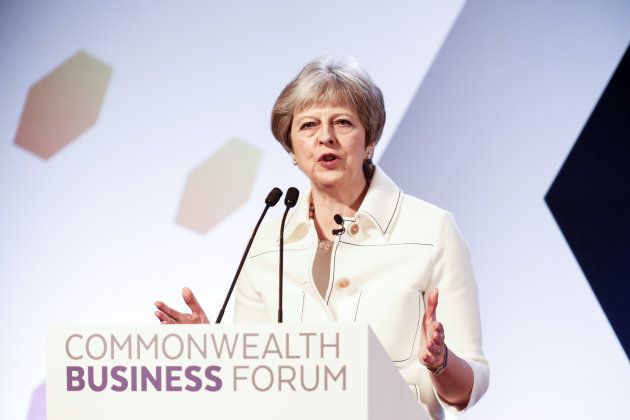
(289, 200)
(339, 221)
(292, 197)
(272, 199)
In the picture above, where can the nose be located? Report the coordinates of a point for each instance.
(327, 134)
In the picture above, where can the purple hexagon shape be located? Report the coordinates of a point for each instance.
(218, 186)
(63, 105)
(37, 410)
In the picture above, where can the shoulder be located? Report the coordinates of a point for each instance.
(434, 224)
(421, 216)
(417, 207)
(406, 217)
(385, 193)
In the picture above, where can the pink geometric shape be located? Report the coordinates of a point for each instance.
(218, 186)
(37, 410)
(63, 105)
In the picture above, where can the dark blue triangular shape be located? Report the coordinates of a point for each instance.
(590, 200)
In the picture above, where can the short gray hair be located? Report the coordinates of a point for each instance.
(332, 82)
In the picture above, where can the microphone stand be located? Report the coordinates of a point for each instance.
(272, 199)
(290, 200)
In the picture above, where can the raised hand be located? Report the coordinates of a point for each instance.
(433, 348)
(168, 315)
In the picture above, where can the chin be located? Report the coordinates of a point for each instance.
(328, 179)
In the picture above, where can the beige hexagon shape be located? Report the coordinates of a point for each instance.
(63, 105)
(218, 186)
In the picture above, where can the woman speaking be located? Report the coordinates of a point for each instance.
(388, 262)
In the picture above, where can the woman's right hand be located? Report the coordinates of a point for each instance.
(168, 315)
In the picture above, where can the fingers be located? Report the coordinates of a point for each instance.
(430, 361)
(436, 347)
(191, 301)
(438, 331)
(169, 314)
(164, 319)
(436, 338)
(433, 360)
(433, 352)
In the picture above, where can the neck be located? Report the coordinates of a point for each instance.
(328, 202)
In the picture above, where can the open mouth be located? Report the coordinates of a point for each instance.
(328, 157)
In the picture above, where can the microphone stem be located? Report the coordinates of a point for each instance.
(240, 266)
(281, 270)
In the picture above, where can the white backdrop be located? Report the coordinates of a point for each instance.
(89, 235)
(494, 119)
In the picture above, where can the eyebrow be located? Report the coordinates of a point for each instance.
(333, 116)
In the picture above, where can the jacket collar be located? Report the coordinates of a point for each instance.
(378, 209)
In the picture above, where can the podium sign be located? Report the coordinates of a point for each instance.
(279, 371)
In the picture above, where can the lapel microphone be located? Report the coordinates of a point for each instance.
(339, 221)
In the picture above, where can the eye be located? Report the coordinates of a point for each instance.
(307, 125)
(343, 122)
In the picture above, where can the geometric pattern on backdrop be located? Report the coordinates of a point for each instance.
(218, 186)
(63, 105)
(590, 201)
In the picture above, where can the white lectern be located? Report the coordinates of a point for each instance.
(245, 371)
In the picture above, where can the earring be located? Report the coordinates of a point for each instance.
(294, 162)
(368, 154)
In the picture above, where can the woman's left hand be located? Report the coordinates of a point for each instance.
(455, 385)
(433, 348)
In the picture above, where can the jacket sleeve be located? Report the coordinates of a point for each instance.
(458, 305)
(249, 307)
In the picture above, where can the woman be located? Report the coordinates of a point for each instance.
(388, 264)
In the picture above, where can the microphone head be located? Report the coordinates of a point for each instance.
(273, 197)
(292, 197)
(338, 219)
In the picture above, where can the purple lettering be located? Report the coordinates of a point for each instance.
(92, 382)
(145, 377)
(74, 374)
(192, 377)
(218, 383)
(171, 376)
(116, 376)
(134, 378)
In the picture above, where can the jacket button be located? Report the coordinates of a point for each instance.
(343, 283)
(354, 229)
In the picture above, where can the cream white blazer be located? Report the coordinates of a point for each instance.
(393, 252)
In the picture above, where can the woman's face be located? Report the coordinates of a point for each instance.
(329, 146)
